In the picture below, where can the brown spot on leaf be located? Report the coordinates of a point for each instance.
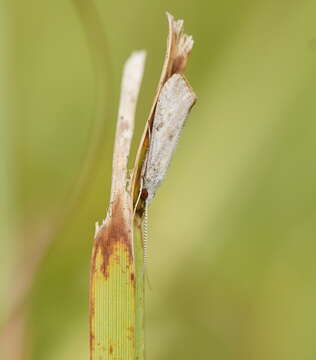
(131, 331)
(115, 233)
(133, 278)
(92, 340)
(111, 350)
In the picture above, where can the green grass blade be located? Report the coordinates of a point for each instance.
(140, 292)
(112, 291)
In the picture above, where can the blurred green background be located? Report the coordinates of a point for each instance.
(233, 228)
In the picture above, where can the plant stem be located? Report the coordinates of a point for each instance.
(140, 290)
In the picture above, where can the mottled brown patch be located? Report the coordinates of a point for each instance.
(92, 340)
(131, 329)
(115, 232)
(131, 332)
(179, 64)
(111, 350)
(92, 308)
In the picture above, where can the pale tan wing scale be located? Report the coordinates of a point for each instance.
(174, 103)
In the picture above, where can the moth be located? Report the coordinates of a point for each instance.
(117, 286)
(174, 103)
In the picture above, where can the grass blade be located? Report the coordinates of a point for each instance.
(112, 281)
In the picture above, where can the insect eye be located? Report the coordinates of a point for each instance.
(144, 194)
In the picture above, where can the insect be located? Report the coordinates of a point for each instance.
(174, 103)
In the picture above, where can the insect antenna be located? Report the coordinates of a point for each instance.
(145, 243)
(145, 234)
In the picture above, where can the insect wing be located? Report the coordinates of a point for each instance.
(174, 103)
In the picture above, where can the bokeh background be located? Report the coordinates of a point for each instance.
(233, 228)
